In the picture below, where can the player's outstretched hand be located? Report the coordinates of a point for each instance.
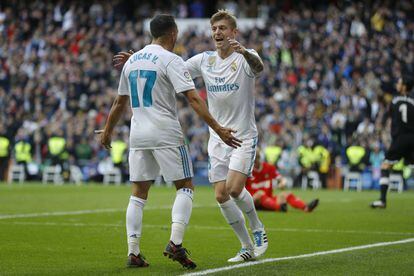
(119, 59)
(228, 138)
(105, 138)
(236, 46)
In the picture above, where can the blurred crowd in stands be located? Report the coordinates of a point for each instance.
(330, 70)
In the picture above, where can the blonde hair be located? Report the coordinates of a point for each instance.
(224, 14)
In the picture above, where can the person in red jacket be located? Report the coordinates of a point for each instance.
(260, 186)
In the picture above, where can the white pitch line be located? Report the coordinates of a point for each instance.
(320, 253)
(221, 228)
(69, 213)
(96, 211)
(340, 231)
(83, 212)
(70, 224)
(309, 230)
(60, 213)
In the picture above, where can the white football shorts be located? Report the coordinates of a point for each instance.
(223, 158)
(172, 163)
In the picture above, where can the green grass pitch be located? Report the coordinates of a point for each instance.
(53, 240)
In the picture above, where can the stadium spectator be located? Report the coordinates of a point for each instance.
(376, 157)
(273, 153)
(323, 158)
(118, 153)
(331, 63)
(356, 156)
(5, 147)
(23, 150)
(58, 152)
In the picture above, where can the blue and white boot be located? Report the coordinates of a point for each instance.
(243, 255)
(260, 242)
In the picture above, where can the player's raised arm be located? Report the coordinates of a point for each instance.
(254, 61)
(200, 107)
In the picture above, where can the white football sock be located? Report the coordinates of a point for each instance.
(235, 218)
(246, 204)
(181, 213)
(134, 223)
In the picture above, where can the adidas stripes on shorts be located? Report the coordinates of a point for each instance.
(172, 163)
(223, 158)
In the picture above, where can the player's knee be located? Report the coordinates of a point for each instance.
(222, 197)
(234, 192)
(141, 193)
(184, 183)
(140, 189)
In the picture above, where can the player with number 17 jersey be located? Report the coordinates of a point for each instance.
(151, 77)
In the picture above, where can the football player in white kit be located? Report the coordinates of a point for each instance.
(229, 76)
(150, 79)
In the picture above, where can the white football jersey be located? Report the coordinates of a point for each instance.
(151, 77)
(230, 85)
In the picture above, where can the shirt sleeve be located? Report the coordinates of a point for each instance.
(123, 84)
(194, 65)
(179, 75)
(246, 66)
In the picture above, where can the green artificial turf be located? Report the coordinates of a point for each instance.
(93, 241)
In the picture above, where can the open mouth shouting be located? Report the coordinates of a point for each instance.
(219, 40)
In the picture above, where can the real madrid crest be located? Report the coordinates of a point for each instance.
(233, 66)
(211, 61)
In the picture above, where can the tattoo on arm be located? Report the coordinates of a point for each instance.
(254, 62)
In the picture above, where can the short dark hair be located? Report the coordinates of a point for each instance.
(408, 81)
(161, 24)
